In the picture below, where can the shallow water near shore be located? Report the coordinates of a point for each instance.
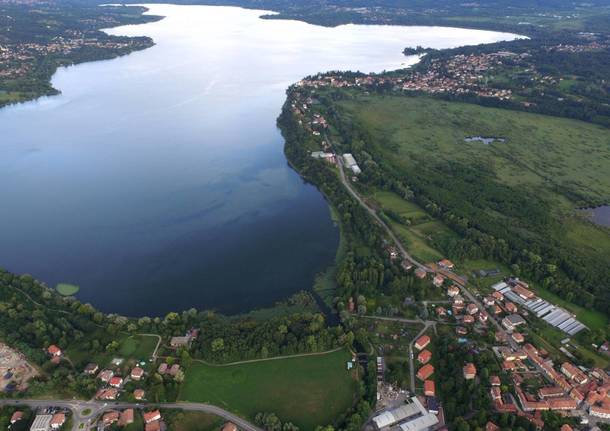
(157, 181)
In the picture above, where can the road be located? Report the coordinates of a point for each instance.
(83, 422)
(373, 213)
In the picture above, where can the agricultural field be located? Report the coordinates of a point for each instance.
(296, 389)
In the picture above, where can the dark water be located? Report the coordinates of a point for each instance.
(157, 181)
(600, 215)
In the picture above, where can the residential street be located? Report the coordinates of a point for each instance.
(82, 422)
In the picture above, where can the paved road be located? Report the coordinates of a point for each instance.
(373, 213)
(98, 407)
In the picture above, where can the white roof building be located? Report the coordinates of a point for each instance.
(41, 423)
(409, 417)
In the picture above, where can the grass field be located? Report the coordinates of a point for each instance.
(308, 391)
(540, 152)
(194, 421)
(66, 289)
(138, 347)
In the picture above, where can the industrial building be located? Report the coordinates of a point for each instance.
(409, 417)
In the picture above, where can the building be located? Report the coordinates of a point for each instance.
(53, 350)
(512, 321)
(58, 420)
(429, 388)
(138, 394)
(495, 393)
(126, 417)
(420, 273)
(162, 368)
(494, 380)
(453, 290)
(446, 264)
(91, 369)
(229, 426)
(518, 337)
(105, 375)
(107, 394)
(472, 309)
(470, 371)
(550, 392)
(563, 403)
(41, 423)
(468, 319)
(110, 418)
(137, 373)
(490, 426)
(16, 417)
(424, 356)
(350, 163)
(116, 382)
(425, 372)
(174, 369)
(422, 342)
(153, 426)
(441, 311)
(438, 280)
(483, 316)
(409, 417)
(177, 342)
(573, 373)
(153, 416)
(601, 411)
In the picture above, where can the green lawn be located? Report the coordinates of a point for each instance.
(308, 391)
(138, 347)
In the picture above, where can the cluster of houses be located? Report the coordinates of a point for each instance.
(121, 418)
(113, 383)
(17, 59)
(459, 74)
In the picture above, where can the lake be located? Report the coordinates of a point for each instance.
(157, 181)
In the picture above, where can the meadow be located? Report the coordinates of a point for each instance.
(308, 391)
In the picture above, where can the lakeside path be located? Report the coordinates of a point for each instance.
(84, 421)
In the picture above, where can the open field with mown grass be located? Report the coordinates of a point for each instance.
(308, 391)
(139, 347)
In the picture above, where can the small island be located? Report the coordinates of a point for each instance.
(66, 289)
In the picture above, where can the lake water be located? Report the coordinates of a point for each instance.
(157, 181)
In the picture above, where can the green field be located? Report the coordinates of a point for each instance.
(308, 391)
(137, 347)
(66, 289)
(540, 152)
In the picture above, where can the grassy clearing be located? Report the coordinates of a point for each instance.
(139, 347)
(308, 391)
(593, 319)
(194, 421)
(66, 289)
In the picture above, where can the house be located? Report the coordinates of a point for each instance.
(472, 309)
(453, 290)
(229, 426)
(441, 311)
(458, 300)
(425, 372)
(446, 264)
(523, 292)
(495, 393)
(162, 368)
(550, 392)
(498, 296)
(512, 321)
(424, 356)
(460, 330)
(91, 369)
(174, 370)
(494, 380)
(177, 342)
(422, 342)
(488, 301)
(58, 420)
(573, 373)
(563, 403)
(496, 310)
(105, 375)
(138, 394)
(470, 371)
(420, 273)
(565, 427)
(483, 316)
(153, 426)
(17, 416)
(137, 373)
(468, 319)
(518, 337)
(429, 388)
(107, 394)
(53, 350)
(110, 418)
(116, 382)
(510, 307)
(490, 426)
(438, 280)
(126, 417)
(41, 423)
(149, 417)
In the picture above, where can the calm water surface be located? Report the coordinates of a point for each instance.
(157, 181)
